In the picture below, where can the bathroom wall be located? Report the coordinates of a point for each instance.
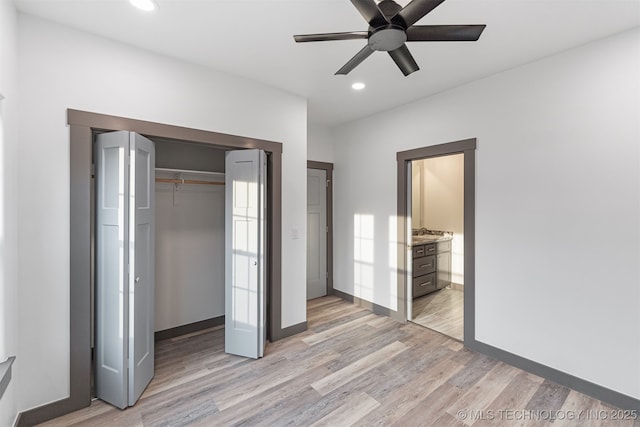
(442, 204)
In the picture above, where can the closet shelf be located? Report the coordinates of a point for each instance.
(179, 180)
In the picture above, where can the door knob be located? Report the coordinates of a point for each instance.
(137, 279)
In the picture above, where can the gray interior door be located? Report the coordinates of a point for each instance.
(245, 244)
(112, 274)
(316, 233)
(141, 265)
(124, 266)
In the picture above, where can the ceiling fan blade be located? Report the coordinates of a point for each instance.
(370, 12)
(356, 60)
(351, 35)
(415, 10)
(444, 33)
(404, 60)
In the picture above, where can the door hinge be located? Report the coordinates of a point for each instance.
(327, 274)
(328, 182)
(327, 229)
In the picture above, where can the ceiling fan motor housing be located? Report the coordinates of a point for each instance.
(387, 38)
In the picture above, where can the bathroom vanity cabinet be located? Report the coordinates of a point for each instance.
(431, 267)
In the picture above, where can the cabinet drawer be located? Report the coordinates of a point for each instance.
(424, 265)
(424, 250)
(424, 284)
(444, 246)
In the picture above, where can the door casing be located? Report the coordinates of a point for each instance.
(404, 158)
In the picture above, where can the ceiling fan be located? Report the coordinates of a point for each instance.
(390, 26)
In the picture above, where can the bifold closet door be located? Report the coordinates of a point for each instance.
(125, 174)
(245, 245)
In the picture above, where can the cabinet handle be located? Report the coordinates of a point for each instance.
(425, 284)
(420, 251)
(425, 265)
(431, 249)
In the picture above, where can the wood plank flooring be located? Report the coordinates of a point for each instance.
(351, 367)
(442, 311)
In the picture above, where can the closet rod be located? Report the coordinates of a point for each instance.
(189, 171)
(187, 181)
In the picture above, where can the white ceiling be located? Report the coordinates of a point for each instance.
(253, 39)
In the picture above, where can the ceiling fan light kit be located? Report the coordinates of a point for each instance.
(387, 38)
(390, 27)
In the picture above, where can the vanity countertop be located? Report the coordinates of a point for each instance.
(429, 238)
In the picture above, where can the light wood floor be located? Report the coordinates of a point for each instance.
(351, 367)
(442, 311)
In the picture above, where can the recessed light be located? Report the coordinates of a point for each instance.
(146, 5)
(358, 86)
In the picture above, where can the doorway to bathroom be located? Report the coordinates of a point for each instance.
(437, 241)
(420, 247)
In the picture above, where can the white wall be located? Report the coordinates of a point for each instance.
(189, 268)
(61, 68)
(8, 205)
(319, 143)
(558, 202)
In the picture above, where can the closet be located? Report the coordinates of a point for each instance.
(180, 242)
(211, 240)
(190, 232)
